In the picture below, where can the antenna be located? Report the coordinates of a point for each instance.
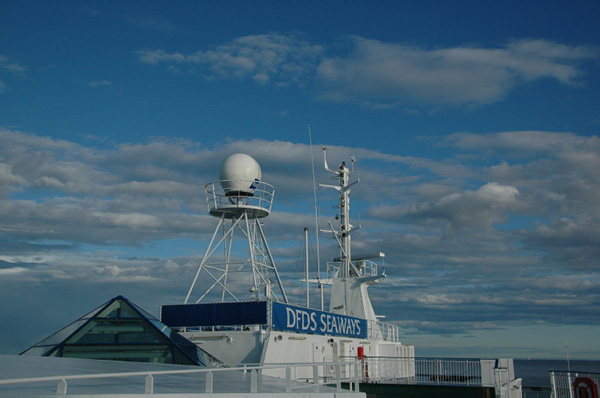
(306, 264)
(566, 343)
(312, 161)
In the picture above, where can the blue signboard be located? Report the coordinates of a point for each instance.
(305, 320)
(214, 314)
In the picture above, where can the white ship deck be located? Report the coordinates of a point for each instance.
(26, 376)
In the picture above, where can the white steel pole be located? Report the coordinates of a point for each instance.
(306, 262)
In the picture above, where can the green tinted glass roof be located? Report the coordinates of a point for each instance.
(120, 330)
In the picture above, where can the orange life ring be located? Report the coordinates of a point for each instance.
(585, 387)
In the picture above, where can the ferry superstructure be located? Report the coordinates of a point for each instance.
(254, 322)
(252, 330)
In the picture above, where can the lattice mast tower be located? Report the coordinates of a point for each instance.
(240, 198)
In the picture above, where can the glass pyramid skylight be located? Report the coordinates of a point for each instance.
(120, 330)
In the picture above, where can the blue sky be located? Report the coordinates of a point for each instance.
(474, 126)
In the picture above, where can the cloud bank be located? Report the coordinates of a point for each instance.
(380, 74)
(508, 243)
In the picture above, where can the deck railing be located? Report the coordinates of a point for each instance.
(563, 383)
(432, 371)
(323, 374)
(384, 331)
(448, 371)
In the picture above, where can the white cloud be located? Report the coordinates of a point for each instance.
(12, 68)
(111, 270)
(99, 83)
(382, 75)
(479, 209)
(20, 141)
(537, 58)
(157, 56)
(494, 192)
(558, 171)
(579, 281)
(12, 271)
(262, 58)
(376, 72)
(8, 179)
(517, 141)
(132, 220)
(7, 65)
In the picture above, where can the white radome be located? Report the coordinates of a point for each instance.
(238, 174)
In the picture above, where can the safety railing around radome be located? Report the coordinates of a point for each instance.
(566, 384)
(261, 197)
(326, 374)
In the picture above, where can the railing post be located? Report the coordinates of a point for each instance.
(316, 377)
(288, 379)
(149, 385)
(356, 375)
(62, 387)
(254, 380)
(338, 377)
(209, 382)
(570, 384)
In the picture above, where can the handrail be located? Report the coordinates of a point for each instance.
(562, 382)
(385, 331)
(430, 371)
(366, 267)
(261, 197)
(316, 381)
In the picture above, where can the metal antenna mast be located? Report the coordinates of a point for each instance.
(343, 236)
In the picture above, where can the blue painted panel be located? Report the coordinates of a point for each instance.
(304, 320)
(214, 314)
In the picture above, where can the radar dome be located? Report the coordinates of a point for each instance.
(239, 174)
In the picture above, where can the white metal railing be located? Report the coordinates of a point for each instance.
(449, 371)
(329, 374)
(384, 331)
(412, 370)
(562, 383)
(387, 369)
(364, 267)
(217, 198)
(367, 267)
